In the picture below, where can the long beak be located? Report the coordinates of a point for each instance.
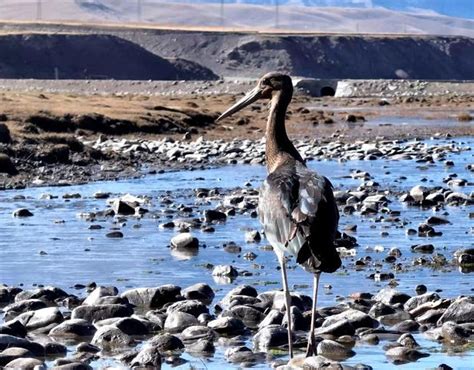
(248, 99)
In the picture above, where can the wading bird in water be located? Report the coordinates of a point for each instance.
(296, 205)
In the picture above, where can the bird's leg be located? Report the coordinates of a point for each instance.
(311, 350)
(287, 302)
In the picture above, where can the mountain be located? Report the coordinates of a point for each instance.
(330, 16)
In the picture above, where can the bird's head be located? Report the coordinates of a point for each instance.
(267, 86)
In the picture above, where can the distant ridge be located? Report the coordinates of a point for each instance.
(408, 17)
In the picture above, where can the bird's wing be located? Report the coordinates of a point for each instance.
(296, 209)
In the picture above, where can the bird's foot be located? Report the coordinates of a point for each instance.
(311, 349)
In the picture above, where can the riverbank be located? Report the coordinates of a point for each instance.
(63, 133)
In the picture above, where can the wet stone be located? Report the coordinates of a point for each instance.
(17, 308)
(201, 292)
(193, 307)
(201, 346)
(253, 236)
(40, 318)
(177, 321)
(166, 343)
(110, 337)
(100, 312)
(391, 296)
(227, 325)
(146, 358)
(356, 318)
(460, 311)
(22, 212)
(13, 353)
(25, 364)
(402, 355)
(334, 350)
(418, 300)
(225, 271)
(249, 315)
(7, 341)
(272, 336)
(184, 241)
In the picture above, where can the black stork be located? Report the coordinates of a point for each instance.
(296, 205)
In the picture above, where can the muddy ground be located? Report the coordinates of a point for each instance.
(43, 131)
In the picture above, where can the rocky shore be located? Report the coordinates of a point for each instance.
(146, 327)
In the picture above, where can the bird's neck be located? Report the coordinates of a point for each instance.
(279, 148)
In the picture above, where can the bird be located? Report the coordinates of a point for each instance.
(296, 205)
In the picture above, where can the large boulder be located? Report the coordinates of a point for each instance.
(101, 312)
(73, 328)
(152, 297)
(460, 311)
(40, 318)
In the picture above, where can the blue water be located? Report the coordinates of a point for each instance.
(74, 254)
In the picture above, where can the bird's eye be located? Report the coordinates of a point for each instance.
(266, 82)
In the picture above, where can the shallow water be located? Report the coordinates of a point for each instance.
(74, 254)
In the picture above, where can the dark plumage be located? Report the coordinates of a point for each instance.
(296, 205)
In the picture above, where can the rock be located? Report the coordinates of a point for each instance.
(184, 241)
(17, 308)
(343, 327)
(402, 355)
(101, 312)
(407, 340)
(423, 248)
(250, 316)
(72, 366)
(314, 362)
(227, 325)
(26, 364)
(87, 347)
(14, 328)
(334, 350)
(197, 332)
(421, 289)
(418, 193)
(430, 316)
(114, 235)
(203, 346)
(435, 220)
(153, 297)
(274, 317)
(380, 309)
(460, 311)
(200, 292)
(241, 290)
(149, 357)
(99, 292)
(211, 215)
(73, 328)
(7, 166)
(110, 337)
(242, 356)
(130, 325)
(13, 353)
(391, 296)
(302, 302)
(122, 208)
(5, 137)
(253, 236)
(193, 307)
(272, 336)
(32, 320)
(46, 294)
(177, 321)
(407, 326)
(22, 212)
(356, 318)
(454, 333)
(298, 321)
(224, 270)
(166, 343)
(55, 349)
(7, 341)
(415, 301)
